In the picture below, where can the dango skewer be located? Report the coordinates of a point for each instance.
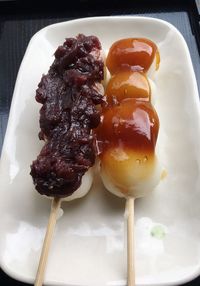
(69, 95)
(129, 128)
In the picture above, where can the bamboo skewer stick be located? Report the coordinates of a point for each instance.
(130, 243)
(47, 241)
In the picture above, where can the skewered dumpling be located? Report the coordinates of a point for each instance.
(127, 138)
(133, 54)
(128, 84)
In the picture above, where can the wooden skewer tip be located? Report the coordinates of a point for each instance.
(130, 242)
(56, 202)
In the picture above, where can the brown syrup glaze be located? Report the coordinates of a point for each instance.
(129, 125)
(128, 84)
(132, 54)
(132, 124)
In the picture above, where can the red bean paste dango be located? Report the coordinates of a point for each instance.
(69, 94)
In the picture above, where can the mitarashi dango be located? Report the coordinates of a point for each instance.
(136, 54)
(128, 84)
(127, 139)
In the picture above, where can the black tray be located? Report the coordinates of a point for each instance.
(19, 20)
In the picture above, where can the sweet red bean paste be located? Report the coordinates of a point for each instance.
(69, 94)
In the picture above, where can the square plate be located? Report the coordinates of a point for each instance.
(89, 244)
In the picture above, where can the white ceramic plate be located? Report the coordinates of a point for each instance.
(89, 245)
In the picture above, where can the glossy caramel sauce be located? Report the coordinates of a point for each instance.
(131, 124)
(136, 54)
(125, 167)
(128, 84)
